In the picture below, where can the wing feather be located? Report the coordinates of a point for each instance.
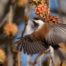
(29, 45)
(56, 34)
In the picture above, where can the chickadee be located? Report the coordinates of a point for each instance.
(43, 37)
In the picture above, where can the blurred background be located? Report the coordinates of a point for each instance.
(57, 8)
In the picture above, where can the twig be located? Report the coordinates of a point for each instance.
(3, 21)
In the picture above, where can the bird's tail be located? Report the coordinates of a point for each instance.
(61, 54)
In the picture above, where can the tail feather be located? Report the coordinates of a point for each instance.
(61, 54)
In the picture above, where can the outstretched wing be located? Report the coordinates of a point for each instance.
(29, 45)
(56, 34)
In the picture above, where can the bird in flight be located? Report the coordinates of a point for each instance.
(43, 37)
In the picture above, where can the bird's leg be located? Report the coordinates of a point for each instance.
(52, 61)
(52, 56)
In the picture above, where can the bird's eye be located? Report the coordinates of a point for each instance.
(35, 24)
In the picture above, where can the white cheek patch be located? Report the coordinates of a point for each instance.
(29, 29)
(40, 23)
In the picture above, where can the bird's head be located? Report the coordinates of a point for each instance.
(38, 23)
(42, 28)
(33, 25)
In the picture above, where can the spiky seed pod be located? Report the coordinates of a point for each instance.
(42, 9)
(10, 29)
(52, 19)
(2, 56)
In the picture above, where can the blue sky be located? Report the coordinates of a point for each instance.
(53, 4)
